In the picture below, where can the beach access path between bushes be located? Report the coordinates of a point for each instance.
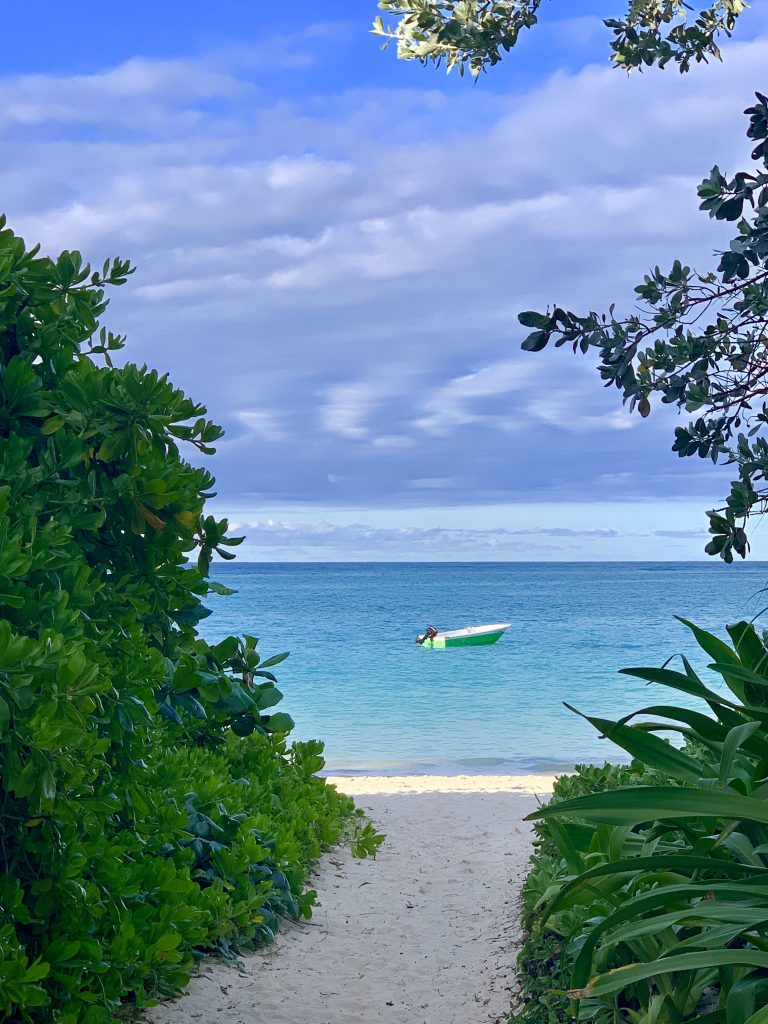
(427, 933)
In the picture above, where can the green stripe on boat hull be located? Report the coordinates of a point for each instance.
(473, 640)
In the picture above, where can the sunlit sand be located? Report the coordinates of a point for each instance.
(427, 933)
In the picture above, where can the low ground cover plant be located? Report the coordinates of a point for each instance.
(648, 898)
(151, 806)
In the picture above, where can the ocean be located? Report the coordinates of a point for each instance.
(356, 680)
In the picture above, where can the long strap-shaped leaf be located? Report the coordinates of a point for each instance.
(648, 748)
(749, 647)
(721, 936)
(622, 977)
(659, 862)
(718, 651)
(708, 728)
(745, 675)
(633, 805)
(759, 1017)
(677, 681)
(664, 896)
(737, 738)
(727, 712)
(737, 918)
(707, 911)
(743, 995)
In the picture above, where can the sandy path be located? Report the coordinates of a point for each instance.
(425, 934)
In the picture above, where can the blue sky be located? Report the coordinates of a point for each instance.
(332, 247)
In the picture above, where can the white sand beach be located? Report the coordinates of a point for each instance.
(426, 933)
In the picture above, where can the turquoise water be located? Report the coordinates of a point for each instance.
(357, 680)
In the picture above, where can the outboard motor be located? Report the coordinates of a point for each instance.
(430, 634)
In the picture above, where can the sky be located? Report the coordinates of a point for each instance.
(332, 247)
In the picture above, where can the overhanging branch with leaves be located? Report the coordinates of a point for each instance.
(699, 342)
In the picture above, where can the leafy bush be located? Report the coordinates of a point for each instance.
(150, 807)
(545, 961)
(659, 886)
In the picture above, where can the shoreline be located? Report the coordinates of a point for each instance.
(445, 771)
(494, 768)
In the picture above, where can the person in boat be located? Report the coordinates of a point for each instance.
(429, 634)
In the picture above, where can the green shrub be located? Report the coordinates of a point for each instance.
(658, 888)
(151, 808)
(545, 961)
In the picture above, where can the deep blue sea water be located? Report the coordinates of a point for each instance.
(357, 680)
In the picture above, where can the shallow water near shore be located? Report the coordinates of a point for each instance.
(357, 680)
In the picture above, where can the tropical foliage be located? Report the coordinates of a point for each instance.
(698, 342)
(544, 961)
(150, 808)
(471, 34)
(649, 895)
(697, 339)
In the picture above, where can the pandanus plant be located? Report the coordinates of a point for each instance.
(671, 881)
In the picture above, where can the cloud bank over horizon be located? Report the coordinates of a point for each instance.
(321, 540)
(335, 267)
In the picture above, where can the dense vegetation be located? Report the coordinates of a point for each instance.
(150, 807)
(544, 961)
(648, 899)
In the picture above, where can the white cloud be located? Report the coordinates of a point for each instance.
(459, 402)
(278, 533)
(298, 539)
(261, 424)
(136, 93)
(321, 280)
(566, 409)
(393, 441)
(346, 408)
(305, 174)
(434, 483)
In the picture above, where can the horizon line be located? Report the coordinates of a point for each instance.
(504, 561)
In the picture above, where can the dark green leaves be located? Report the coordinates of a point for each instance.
(623, 977)
(536, 320)
(670, 31)
(656, 875)
(276, 659)
(281, 722)
(729, 536)
(146, 787)
(631, 807)
(698, 341)
(21, 390)
(648, 748)
(536, 341)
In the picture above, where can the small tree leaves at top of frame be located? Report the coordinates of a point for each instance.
(472, 35)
